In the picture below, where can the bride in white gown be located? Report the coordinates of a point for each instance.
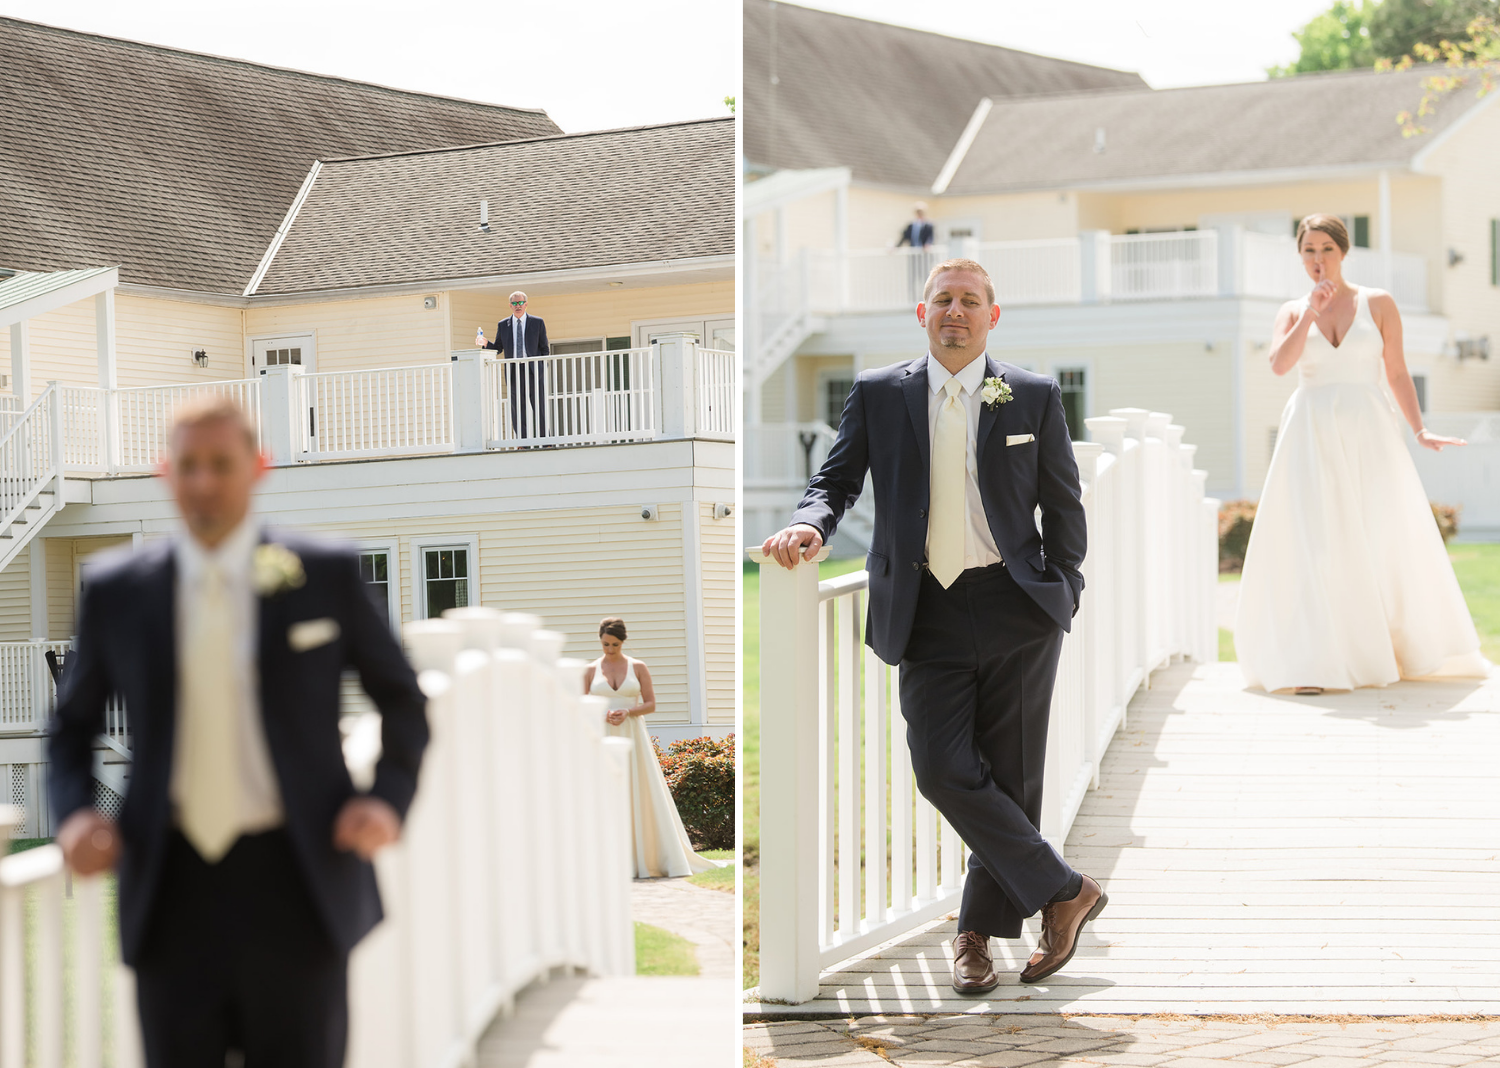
(661, 843)
(1346, 582)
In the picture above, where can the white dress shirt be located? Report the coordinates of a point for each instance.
(979, 544)
(260, 793)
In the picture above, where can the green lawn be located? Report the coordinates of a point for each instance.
(1478, 571)
(750, 749)
(717, 878)
(660, 952)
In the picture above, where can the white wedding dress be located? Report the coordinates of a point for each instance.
(661, 842)
(1346, 582)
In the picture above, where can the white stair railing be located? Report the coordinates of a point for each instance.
(515, 861)
(31, 473)
(830, 710)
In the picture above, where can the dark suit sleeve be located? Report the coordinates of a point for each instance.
(80, 714)
(542, 348)
(835, 488)
(905, 238)
(392, 684)
(502, 339)
(1064, 530)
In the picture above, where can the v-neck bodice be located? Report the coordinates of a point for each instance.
(1357, 358)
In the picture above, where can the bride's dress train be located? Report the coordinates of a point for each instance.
(1346, 581)
(661, 842)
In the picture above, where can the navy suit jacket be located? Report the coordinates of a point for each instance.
(923, 234)
(127, 645)
(535, 340)
(884, 431)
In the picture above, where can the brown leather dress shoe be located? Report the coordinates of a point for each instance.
(1061, 925)
(973, 969)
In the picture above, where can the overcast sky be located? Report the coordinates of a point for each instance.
(592, 64)
(1168, 42)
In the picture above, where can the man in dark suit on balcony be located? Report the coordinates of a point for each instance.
(524, 335)
(970, 598)
(918, 234)
(242, 847)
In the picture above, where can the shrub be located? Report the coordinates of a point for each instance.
(1235, 520)
(700, 774)
(1447, 519)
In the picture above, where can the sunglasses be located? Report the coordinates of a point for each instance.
(517, 303)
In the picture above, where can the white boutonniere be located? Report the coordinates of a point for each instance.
(277, 569)
(994, 391)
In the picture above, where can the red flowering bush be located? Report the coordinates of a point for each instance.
(700, 774)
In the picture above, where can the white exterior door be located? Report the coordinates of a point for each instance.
(297, 349)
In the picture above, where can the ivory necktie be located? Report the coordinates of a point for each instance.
(207, 769)
(946, 517)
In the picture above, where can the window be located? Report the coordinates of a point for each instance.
(292, 354)
(1420, 381)
(1075, 400)
(1361, 231)
(445, 579)
(835, 393)
(375, 569)
(589, 344)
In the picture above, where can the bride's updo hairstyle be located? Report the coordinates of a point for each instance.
(614, 626)
(1331, 225)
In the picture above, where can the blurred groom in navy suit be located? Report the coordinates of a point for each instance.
(243, 849)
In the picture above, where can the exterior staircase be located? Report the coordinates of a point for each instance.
(31, 473)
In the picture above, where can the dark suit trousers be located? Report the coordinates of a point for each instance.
(976, 690)
(236, 957)
(527, 381)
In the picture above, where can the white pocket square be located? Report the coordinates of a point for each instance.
(311, 633)
(1019, 439)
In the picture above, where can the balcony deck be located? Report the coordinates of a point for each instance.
(1263, 854)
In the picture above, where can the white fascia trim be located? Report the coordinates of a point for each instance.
(961, 149)
(184, 296)
(518, 280)
(1211, 179)
(1419, 161)
(285, 228)
(90, 285)
(789, 186)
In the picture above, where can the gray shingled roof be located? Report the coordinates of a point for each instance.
(885, 101)
(1342, 119)
(180, 166)
(582, 200)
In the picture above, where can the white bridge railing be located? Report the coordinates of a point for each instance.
(515, 861)
(837, 791)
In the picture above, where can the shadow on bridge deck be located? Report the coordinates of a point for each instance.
(1332, 854)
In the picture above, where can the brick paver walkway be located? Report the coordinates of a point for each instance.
(704, 917)
(985, 1041)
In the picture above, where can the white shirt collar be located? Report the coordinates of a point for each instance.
(233, 554)
(970, 376)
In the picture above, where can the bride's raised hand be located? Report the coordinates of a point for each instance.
(1436, 442)
(1321, 296)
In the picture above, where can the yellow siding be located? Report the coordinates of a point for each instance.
(15, 599)
(61, 596)
(572, 568)
(354, 335)
(1265, 395)
(603, 313)
(1179, 378)
(1018, 217)
(153, 342)
(720, 568)
(774, 403)
(877, 216)
(1468, 163)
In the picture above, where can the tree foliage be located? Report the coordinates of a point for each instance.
(1352, 35)
(1473, 60)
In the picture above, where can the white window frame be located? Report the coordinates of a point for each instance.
(309, 338)
(826, 376)
(419, 546)
(702, 326)
(1051, 370)
(392, 550)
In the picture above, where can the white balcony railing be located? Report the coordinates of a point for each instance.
(837, 783)
(28, 696)
(673, 388)
(1094, 267)
(514, 861)
(581, 398)
(785, 455)
(387, 411)
(717, 391)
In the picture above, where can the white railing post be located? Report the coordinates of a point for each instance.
(282, 419)
(1095, 271)
(789, 780)
(678, 380)
(468, 401)
(1231, 255)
